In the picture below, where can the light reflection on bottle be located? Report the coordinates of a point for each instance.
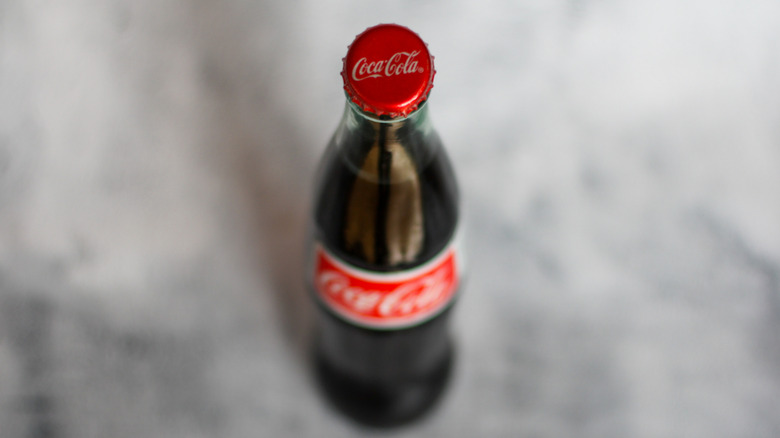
(384, 207)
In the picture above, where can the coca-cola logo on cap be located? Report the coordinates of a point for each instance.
(401, 63)
(390, 300)
(388, 70)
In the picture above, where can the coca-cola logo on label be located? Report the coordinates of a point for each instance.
(401, 63)
(386, 300)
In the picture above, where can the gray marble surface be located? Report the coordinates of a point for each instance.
(619, 164)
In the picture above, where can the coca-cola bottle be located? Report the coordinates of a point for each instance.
(385, 268)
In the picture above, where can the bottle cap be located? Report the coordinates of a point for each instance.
(388, 71)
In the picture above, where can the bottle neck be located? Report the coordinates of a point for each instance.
(413, 134)
(416, 121)
(385, 210)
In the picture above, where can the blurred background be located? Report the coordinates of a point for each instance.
(619, 167)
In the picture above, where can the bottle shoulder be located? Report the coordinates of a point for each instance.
(386, 207)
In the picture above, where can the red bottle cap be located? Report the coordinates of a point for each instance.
(388, 71)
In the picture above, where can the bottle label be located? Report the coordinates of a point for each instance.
(386, 300)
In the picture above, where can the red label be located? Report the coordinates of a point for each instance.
(386, 300)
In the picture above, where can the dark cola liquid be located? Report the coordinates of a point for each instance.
(387, 201)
